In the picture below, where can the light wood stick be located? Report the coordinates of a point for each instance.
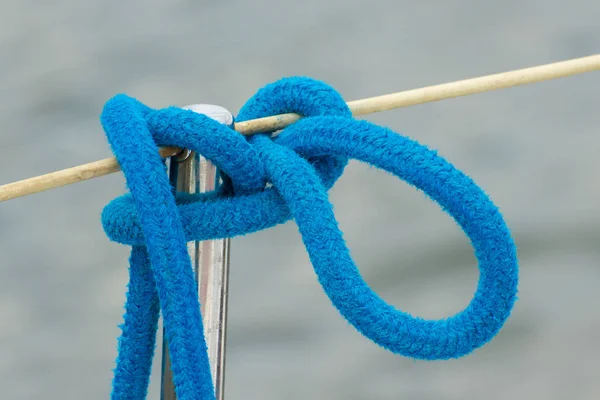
(358, 107)
(439, 92)
(67, 176)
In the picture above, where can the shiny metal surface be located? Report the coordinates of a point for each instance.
(210, 260)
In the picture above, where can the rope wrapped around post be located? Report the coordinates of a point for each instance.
(270, 181)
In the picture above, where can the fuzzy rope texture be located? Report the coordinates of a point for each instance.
(300, 164)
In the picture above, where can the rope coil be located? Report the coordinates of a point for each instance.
(300, 164)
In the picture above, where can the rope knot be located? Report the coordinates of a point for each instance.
(301, 164)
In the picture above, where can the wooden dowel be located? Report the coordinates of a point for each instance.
(482, 84)
(67, 176)
(358, 107)
(439, 92)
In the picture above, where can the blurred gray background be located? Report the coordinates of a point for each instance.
(534, 149)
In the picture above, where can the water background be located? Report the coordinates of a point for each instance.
(533, 149)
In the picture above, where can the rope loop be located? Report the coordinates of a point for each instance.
(300, 164)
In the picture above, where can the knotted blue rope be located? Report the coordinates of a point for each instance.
(301, 164)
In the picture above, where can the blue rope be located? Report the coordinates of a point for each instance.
(302, 163)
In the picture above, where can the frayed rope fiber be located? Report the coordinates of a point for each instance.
(301, 164)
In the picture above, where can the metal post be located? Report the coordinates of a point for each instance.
(192, 173)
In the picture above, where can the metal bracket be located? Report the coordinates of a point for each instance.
(189, 172)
